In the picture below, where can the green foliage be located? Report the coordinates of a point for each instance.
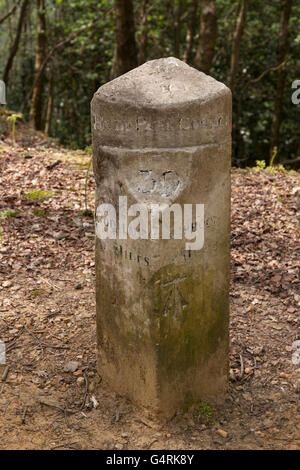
(88, 150)
(8, 213)
(279, 169)
(37, 292)
(204, 410)
(260, 164)
(38, 212)
(39, 195)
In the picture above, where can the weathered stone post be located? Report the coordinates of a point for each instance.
(162, 138)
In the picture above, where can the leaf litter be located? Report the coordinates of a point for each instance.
(52, 396)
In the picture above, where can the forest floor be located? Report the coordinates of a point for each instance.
(52, 397)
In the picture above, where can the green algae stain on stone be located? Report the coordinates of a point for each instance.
(190, 320)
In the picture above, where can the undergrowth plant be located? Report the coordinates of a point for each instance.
(8, 213)
(261, 165)
(13, 118)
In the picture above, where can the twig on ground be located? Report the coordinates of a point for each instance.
(5, 374)
(86, 390)
(58, 407)
(50, 284)
(151, 443)
(12, 342)
(65, 445)
(42, 344)
(66, 416)
(242, 368)
(24, 415)
(53, 165)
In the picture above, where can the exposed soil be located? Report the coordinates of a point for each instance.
(47, 307)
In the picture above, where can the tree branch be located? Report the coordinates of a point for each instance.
(10, 12)
(254, 81)
(289, 162)
(57, 46)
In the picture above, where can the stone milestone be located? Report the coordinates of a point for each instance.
(162, 154)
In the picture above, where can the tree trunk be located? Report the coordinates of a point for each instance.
(35, 115)
(54, 50)
(125, 57)
(178, 26)
(236, 43)
(14, 48)
(283, 54)
(191, 31)
(143, 37)
(208, 36)
(50, 102)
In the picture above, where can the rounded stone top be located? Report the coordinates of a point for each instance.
(163, 103)
(161, 83)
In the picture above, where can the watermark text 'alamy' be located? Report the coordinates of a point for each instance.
(142, 221)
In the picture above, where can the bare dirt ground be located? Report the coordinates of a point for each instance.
(47, 317)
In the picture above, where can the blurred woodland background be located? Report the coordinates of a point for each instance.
(54, 54)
